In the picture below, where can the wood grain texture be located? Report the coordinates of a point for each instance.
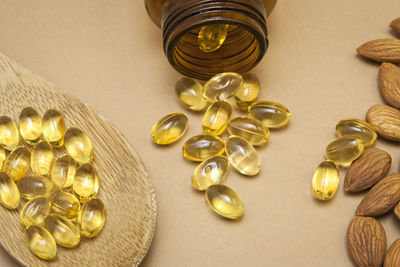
(125, 187)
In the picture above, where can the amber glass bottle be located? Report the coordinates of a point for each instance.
(181, 20)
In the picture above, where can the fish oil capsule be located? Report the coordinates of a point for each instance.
(63, 172)
(209, 172)
(190, 93)
(64, 232)
(30, 125)
(86, 183)
(2, 156)
(40, 242)
(224, 201)
(17, 163)
(344, 150)
(34, 211)
(169, 128)
(9, 134)
(78, 145)
(212, 36)
(202, 147)
(248, 92)
(33, 186)
(357, 128)
(222, 86)
(65, 204)
(242, 156)
(54, 127)
(91, 217)
(253, 131)
(325, 180)
(42, 158)
(272, 114)
(216, 118)
(9, 194)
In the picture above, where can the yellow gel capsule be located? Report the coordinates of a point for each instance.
(253, 131)
(272, 114)
(63, 172)
(169, 128)
(30, 125)
(17, 163)
(325, 180)
(202, 147)
(224, 201)
(216, 118)
(222, 86)
(344, 150)
(78, 145)
(54, 127)
(9, 194)
(2, 156)
(248, 92)
(357, 128)
(42, 158)
(34, 186)
(91, 217)
(34, 211)
(9, 134)
(65, 204)
(212, 36)
(190, 93)
(242, 156)
(64, 232)
(86, 183)
(40, 242)
(209, 172)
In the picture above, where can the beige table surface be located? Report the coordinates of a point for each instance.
(109, 54)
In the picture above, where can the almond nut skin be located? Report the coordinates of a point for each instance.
(392, 258)
(381, 50)
(385, 120)
(395, 25)
(382, 197)
(389, 84)
(367, 170)
(366, 241)
(396, 211)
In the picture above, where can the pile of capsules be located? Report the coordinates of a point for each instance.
(61, 205)
(243, 133)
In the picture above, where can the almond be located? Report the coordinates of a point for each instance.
(396, 211)
(392, 258)
(366, 241)
(395, 25)
(381, 198)
(389, 83)
(385, 120)
(367, 170)
(381, 50)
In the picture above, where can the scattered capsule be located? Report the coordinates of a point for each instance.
(65, 204)
(2, 156)
(190, 93)
(54, 127)
(344, 150)
(202, 147)
(224, 201)
(91, 217)
(78, 145)
(63, 172)
(216, 118)
(86, 183)
(40, 242)
(325, 181)
(30, 125)
(272, 114)
(18, 163)
(357, 128)
(169, 128)
(242, 156)
(42, 158)
(33, 186)
(253, 131)
(248, 92)
(34, 211)
(212, 36)
(222, 86)
(9, 194)
(9, 134)
(64, 232)
(209, 172)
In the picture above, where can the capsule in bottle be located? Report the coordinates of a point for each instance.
(63, 172)
(216, 118)
(209, 172)
(253, 131)
(325, 180)
(91, 217)
(17, 163)
(222, 86)
(212, 36)
(86, 182)
(271, 114)
(34, 211)
(249, 91)
(357, 128)
(242, 156)
(64, 232)
(202, 147)
(78, 145)
(65, 204)
(224, 201)
(42, 158)
(54, 127)
(41, 242)
(169, 129)
(9, 134)
(34, 185)
(190, 93)
(344, 150)
(9, 194)
(30, 125)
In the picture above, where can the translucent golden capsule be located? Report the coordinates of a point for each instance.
(202, 147)
(216, 118)
(42, 158)
(40, 242)
(209, 172)
(272, 114)
(2, 157)
(64, 232)
(242, 156)
(248, 92)
(78, 145)
(18, 163)
(30, 125)
(54, 127)
(212, 36)
(224, 201)
(65, 204)
(253, 131)
(91, 218)
(222, 86)
(34, 186)
(9, 134)
(344, 150)
(9, 194)
(325, 181)
(63, 172)
(357, 128)
(86, 183)
(34, 211)
(169, 128)
(190, 93)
